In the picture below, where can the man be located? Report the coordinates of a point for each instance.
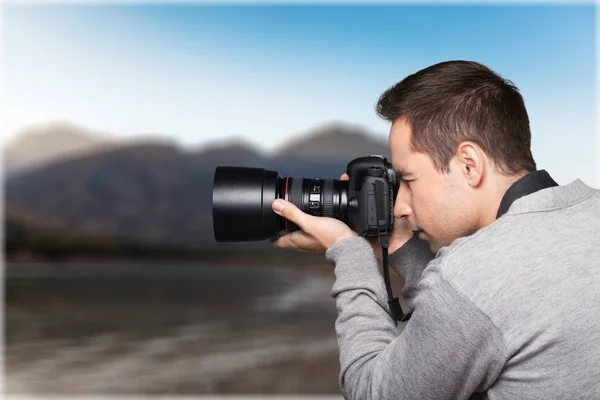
(509, 306)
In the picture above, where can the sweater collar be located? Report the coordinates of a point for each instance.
(526, 185)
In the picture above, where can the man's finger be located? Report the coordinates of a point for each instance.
(344, 177)
(292, 241)
(290, 212)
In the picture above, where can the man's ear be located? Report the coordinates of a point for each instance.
(472, 161)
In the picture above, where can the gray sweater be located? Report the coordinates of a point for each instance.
(512, 311)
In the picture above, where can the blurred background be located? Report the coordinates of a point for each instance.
(115, 118)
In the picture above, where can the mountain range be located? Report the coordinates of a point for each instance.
(152, 191)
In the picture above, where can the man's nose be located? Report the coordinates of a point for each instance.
(402, 208)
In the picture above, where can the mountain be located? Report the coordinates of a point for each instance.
(160, 193)
(335, 140)
(234, 153)
(42, 144)
(144, 191)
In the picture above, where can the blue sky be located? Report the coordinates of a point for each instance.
(201, 73)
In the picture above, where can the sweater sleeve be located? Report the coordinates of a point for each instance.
(449, 349)
(409, 261)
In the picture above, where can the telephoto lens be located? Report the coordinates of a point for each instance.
(242, 200)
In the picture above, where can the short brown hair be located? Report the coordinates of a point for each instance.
(455, 101)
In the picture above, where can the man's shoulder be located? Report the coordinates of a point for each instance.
(487, 260)
(468, 252)
(526, 235)
(524, 247)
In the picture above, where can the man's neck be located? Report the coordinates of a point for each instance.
(499, 184)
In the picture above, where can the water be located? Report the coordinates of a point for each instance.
(141, 329)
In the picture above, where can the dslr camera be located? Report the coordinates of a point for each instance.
(242, 200)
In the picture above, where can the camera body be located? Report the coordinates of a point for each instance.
(372, 188)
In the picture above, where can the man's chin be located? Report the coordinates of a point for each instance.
(433, 246)
(426, 238)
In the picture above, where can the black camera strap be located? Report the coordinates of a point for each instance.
(382, 235)
(528, 184)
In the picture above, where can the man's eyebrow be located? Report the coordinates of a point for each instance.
(402, 174)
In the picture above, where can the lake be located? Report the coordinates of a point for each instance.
(147, 329)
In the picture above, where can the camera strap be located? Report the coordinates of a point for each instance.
(382, 235)
(528, 184)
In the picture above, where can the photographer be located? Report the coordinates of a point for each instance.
(501, 265)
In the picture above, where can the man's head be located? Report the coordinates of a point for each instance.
(459, 137)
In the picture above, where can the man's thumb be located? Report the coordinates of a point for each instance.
(289, 211)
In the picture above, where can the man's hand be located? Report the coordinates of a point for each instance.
(400, 235)
(317, 234)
